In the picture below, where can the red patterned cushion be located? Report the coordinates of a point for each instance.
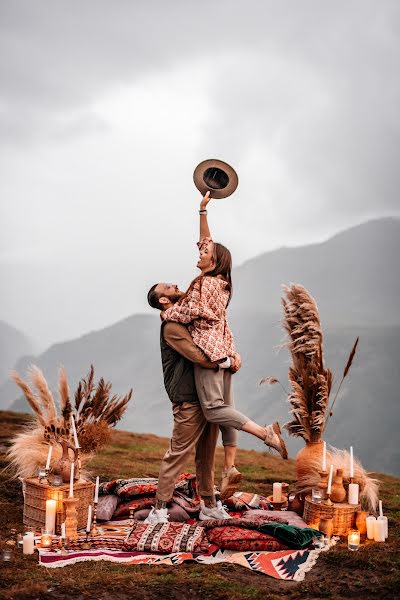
(137, 504)
(167, 538)
(238, 538)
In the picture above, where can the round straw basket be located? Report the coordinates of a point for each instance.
(343, 514)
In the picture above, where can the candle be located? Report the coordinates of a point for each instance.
(380, 508)
(49, 457)
(353, 540)
(351, 463)
(329, 490)
(277, 492)
(384, 520)
(71, 482)
(324, 457)
(46, 540)
(74, 432)
(63, 531)
(96, 491)
(370, 521)
(379, 530)
(28, 543)
(51, 508)
(89, 518)
(353, 493)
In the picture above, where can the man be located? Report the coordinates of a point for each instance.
(178, 353)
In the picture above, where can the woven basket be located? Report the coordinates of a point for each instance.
(344, 515)
(36, 494)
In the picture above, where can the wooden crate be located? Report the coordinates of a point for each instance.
(36, 494)
(344, 515)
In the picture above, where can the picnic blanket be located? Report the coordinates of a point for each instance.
(290, 565)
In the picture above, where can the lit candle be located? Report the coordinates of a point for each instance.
(51, 508)
(353, 540)
(353, 493)
(46, 540)
(49, 457)
(74, 432)
(384, 520)
(71, 482)
(63, 530)
(324, 457)
(277, 492)
(28, 544)
(96, 491)
(329, 490)
(351, 463)
(89, 518)
(370, 521)
(379, 530)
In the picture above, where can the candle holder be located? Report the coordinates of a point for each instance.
(328, 500)
(43, 476)
(62, 546)
(79, 463)
(323, 483)
(353, 540)
(86, 545)
(277, 505)
(71, 518)
(94, 531)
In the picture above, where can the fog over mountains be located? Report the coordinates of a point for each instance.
(354, 278)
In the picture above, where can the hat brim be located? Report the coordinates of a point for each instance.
(217, 177)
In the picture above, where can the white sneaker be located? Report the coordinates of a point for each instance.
(157, 516)
(213, 512)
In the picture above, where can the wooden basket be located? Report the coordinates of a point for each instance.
(344, 515)
(36, 494)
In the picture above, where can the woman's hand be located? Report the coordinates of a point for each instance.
(205, 200)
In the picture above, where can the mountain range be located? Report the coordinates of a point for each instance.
(353, 276)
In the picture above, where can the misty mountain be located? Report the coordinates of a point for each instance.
(354, 273)
(13, 345)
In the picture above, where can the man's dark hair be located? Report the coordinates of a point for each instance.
(153, 298)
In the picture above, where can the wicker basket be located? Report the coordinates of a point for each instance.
(344, 515)
(36, 494)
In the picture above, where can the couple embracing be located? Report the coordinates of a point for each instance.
(199, 358)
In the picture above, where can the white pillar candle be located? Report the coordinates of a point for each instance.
(51, 508)
(28, 544)
(74, 432)
(71, 482)
(351, 463)
(63, 530)
(379, 531)
(329, 490)
(384, 520)
(49, 457)
(353, 493)
(370, 522)
(89, 518)
(96, 490)
(324, 457)
(277, 492)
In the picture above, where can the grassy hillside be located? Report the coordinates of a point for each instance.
(371, 572)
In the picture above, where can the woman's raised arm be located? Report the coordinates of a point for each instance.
(204, 228)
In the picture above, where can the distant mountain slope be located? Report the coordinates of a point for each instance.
(344, 276)
(13, 345)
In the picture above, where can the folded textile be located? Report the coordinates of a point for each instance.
(254, 523)
(289, 516)
(242, 539)
(167, 538)
(176, 514)
(129, 487)
(294, 537)
(106, 507)
(244, 500)
(135, 504)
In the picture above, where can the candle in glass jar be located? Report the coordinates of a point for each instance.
(96, 491)
(353, 540)
(51, 509)
(370, 522)
(329, 490)
(379, 530)
(46, 539)
(71, 481)
(74, 432)
(351, 463)
(277, 492)
(28, 544)
(49, 457)
(324, 457)
(353, 493)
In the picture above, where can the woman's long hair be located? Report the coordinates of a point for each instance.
(222, 259)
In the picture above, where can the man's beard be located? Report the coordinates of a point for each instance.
(175, 297)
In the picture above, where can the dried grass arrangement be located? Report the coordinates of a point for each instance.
(95, 411)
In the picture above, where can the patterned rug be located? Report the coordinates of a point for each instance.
(289, 565)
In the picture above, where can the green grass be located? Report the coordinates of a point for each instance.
(370, 573)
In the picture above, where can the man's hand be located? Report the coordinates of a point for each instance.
(236, 362)
(205, 200)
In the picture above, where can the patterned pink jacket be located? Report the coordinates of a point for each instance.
(204, 309)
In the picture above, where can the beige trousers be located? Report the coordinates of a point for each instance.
(214, 389)
(190, 430)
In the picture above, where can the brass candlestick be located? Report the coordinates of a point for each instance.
(61, 545)
(323, 483)
(86, 545)
(71, 518)
(328, 500)
(94, 531)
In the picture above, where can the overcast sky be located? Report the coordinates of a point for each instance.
(106, 107)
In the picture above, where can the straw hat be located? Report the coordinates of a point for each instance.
(215, 176)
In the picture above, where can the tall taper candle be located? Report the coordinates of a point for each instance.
(49, 457)
(89, 519)
(63, 530)
(380, 508)
(96, 490)
(74, 432)
(71, 482)
(324, 457)
(351, 463)
(329, 490)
